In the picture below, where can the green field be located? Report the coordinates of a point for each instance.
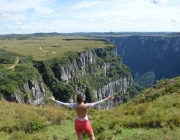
(47, 47)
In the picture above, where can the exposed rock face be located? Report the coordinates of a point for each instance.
(119, 86)
(31, 93)
(70, 71)
(65, 73)
(160, 54)
(87, 57)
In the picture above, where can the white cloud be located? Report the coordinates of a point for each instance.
(104, 18)
(85, 4)
(41, 6)
(22, 28)
(158, 1)
(9, 14)
(18, 23)
(176, 24)
(148, 16)
(12, 15)
(175, 19)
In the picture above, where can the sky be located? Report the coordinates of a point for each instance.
(68, 16)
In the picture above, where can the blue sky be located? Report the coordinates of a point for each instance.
(67, 16)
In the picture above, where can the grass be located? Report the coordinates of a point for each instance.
(140, 119)
(47, 47)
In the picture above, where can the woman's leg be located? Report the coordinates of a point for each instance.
(88, 129)
(80, 136)
(91, 136)
(79, 132)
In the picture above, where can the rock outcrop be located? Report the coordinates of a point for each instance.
(32, 92)
(119, 86)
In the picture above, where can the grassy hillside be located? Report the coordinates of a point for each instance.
(154, 114)
(47, 47)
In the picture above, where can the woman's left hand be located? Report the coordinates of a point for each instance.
(51, 98)
(110, 97)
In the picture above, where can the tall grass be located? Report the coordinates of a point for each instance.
(29, 119)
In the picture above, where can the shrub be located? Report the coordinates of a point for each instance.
(34, 126)
(98, 128)
(104, 136)
(62, 91)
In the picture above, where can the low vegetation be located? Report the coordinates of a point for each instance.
(22, 121)
(47, 47)
(13, 79)
(153, 114)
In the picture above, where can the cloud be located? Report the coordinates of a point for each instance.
(174, 19)
(84, 4)
(176, 24)
(148, 16)
(158, 1)
(40, 6)
(104, 18)
(18, 23)
(22, 28)
(12, 15)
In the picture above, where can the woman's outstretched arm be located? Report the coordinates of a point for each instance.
(69, 105)
(91, 105)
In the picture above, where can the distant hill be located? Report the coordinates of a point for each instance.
(175, 34)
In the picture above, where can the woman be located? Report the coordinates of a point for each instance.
(82, 123)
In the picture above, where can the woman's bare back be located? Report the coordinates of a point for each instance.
(81, 110)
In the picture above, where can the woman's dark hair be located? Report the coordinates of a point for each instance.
(80, 97)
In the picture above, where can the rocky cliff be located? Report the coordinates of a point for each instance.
(93, 69)
(119, 86)
(76, 69)
(156, 54)
(33, 92)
